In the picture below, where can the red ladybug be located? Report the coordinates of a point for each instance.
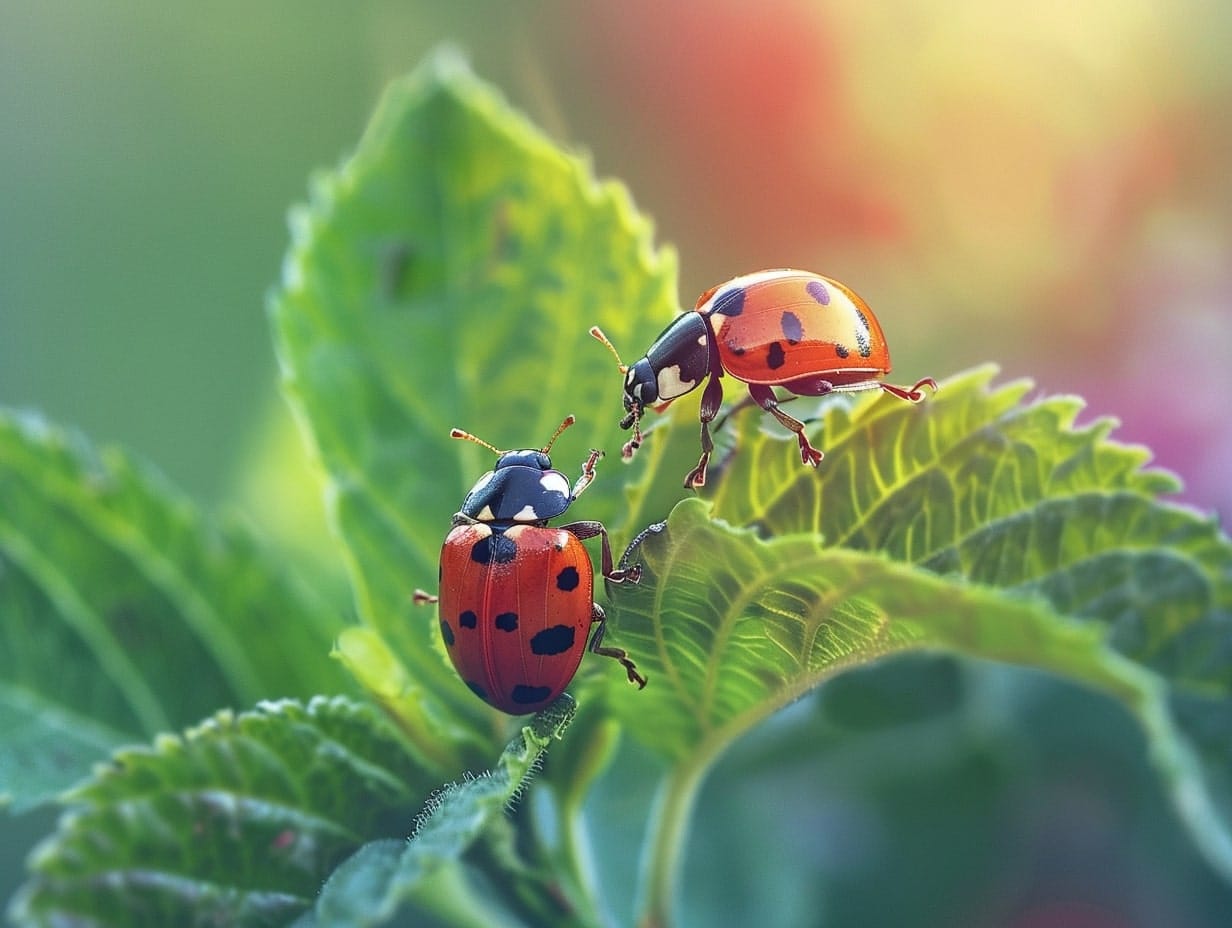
(781, 328)
(517, 596)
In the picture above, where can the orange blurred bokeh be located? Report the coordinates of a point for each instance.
(1045, 187)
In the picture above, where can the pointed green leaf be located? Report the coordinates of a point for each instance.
(108, 571)
(975, 523)
(978, 484)
(978, 455)
(446, 275)
(372, 886)
(236, 822)
(731, 627)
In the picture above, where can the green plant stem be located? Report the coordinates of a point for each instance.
(670, 820)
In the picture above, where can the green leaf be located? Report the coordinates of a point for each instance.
(447, 275)
(108, 571)
(977, 484)
(372, 886)
(979, 456)
(733, 627)
(236, 822)
(975, 524)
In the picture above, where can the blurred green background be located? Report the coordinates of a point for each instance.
(1046, 187)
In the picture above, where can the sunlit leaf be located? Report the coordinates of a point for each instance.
(1034, 543)
(447, 275)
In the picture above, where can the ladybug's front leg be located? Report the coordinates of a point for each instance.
(587, 475)
(599, 620)
(765, 398)
(712, 399)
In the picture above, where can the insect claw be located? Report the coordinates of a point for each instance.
(916, 395)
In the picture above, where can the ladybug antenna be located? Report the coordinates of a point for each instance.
(568, 421)
(467, 436)
(598, 333)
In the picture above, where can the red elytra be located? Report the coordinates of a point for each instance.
(516, 595)
(805, 333)
(516, 630)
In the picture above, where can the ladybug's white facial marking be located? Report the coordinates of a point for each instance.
(672, 385)
(553, 481)
(525, 514)
(486, 514)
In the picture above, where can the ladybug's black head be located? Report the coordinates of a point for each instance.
(528, 457)
(641, 390)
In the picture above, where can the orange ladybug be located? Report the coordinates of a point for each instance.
(784, 328)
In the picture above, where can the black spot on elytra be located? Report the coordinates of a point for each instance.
(817, 290)
(775, 357)
(863, 341)
(793, 329)
(841, 351)
(493, 549)
(507, 621)
(568, 579)
(555, 640)
(477, 690)
(730, 303)
(447, 633)
(468, 619)
(440, 573)
(525, 695)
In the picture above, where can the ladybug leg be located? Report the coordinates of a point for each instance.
(588, 474)
(914, 395)
(764, 397)
(712, 399)
(599, 620)
(584, 530)
(652, 529)
(422, 598)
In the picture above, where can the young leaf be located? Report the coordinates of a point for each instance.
(977, 484)
(447, 275)
(733, 627)
(1034, 543)
(379, 880)
(106, 570)
(978, 456)
(236, 822)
